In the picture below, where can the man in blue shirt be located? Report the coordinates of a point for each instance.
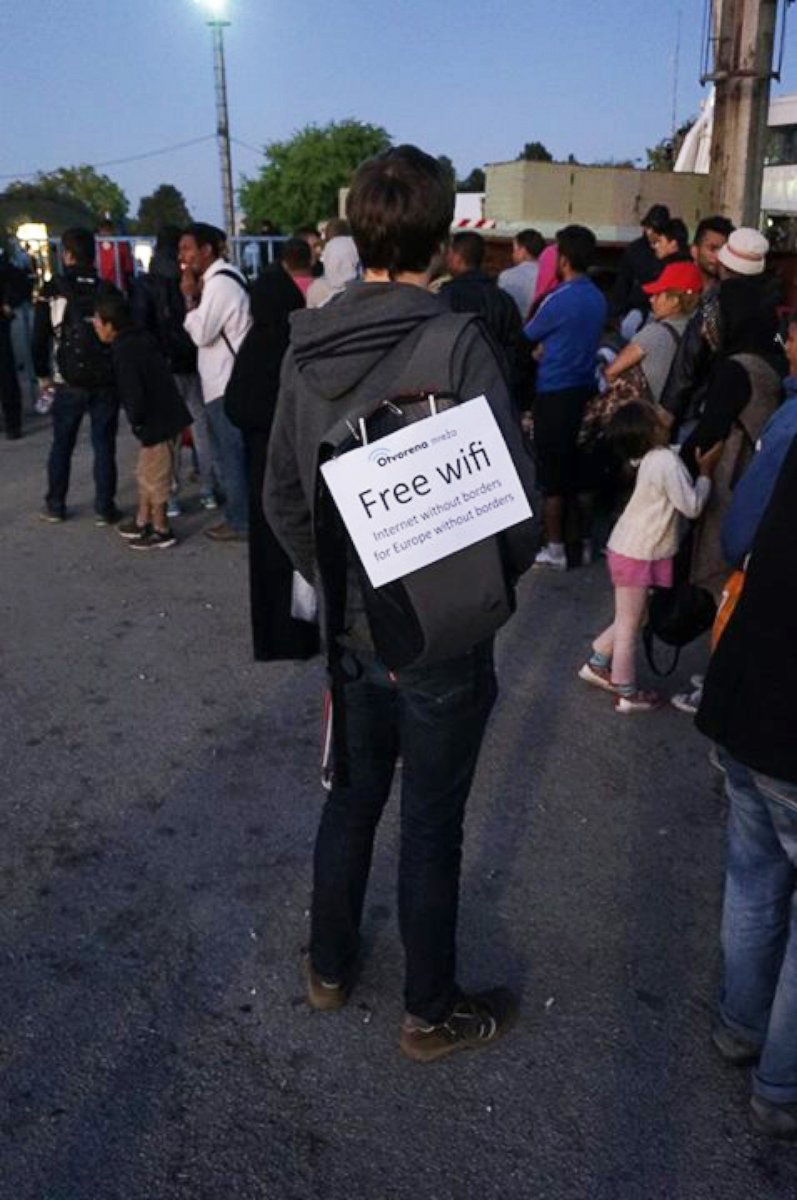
(566, 329)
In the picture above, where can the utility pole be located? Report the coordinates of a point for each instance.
(217, 23)
(744, 41)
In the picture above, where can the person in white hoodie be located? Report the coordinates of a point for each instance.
(341, 266)
(217, 320)
(643, 543)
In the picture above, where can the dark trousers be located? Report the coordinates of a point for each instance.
(10, 397)
(435, 718)
(69, 408)
(275, 634)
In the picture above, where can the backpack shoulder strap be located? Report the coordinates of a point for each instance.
(228, 273)
(419, 354)
(673, 332)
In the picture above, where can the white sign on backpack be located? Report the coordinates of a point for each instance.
(426, 491)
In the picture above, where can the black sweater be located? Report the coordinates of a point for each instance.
(748, 699)
(146, 388)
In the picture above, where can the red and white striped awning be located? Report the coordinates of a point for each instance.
(481, 223)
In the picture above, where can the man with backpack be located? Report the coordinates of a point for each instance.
(80, 376)
(217, 321)
(385, 346)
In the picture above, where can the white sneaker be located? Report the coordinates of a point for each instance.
(546, 558)
(687, 702)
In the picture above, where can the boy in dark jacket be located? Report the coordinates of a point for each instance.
(156, 414)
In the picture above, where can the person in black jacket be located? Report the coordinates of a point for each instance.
(748, 710)
(472, 290)
(156, 414)
(249, 402)
(10, 395)
(638, 266)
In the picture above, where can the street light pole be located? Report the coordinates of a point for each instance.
(217, 24)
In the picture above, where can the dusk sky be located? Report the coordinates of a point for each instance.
(85, 81)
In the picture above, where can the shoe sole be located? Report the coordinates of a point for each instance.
(154, 545)
(128, 535)
(589, 676)
(689, 709)
(51, 519)
(628, 710)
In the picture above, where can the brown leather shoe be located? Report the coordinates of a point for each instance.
(478, 1021)
(225, 533)
(323, 994)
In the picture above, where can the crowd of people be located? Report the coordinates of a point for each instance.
(652, 421)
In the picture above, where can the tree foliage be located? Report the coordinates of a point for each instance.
(300, 180)
(535, 152)
(166, 206)
(475, 182)
(662, 156)
(97, 192)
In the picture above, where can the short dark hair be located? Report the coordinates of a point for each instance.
(633, 430)
(675, 230)
(656, 216)
(470, 248)
(577, 244)
(81, 243)
(716, 224)
(114, 309)
(305, 231)
(336, 227)
(400, 207)
(531, 241)
(296, 254)
(206, 235)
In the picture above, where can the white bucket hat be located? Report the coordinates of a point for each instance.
(745, 252)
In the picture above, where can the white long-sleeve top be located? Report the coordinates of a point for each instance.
(648, 527)
(223, 311)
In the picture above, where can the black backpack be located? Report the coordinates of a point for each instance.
(448, 607)
(169, 315)
(82, 359)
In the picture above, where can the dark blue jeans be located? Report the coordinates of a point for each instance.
(69, 408)
(759, 925)
(434, 717)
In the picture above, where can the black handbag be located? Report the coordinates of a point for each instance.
(677, 615)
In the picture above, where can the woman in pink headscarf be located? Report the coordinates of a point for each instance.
(547, 278)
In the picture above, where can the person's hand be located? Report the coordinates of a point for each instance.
(190, 284)
(707, 459)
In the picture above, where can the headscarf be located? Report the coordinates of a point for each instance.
(341, 263)
(547, 278)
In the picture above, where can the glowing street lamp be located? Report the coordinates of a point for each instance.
(216, 17)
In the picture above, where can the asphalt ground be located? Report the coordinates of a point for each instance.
(159, 801)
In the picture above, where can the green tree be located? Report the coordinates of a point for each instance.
(97, 192)
(166, 206)
(299, 182)
(535, 152)
(662, 156)
(475, 182)
(449, 168)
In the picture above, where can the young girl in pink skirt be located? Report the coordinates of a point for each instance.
(643, 543)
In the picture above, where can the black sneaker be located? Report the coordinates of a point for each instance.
(477, 1022)
(153, 539)
(131, 529)
(53, 515)
(733, 1047)
(111, 516)
(775, 1120)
